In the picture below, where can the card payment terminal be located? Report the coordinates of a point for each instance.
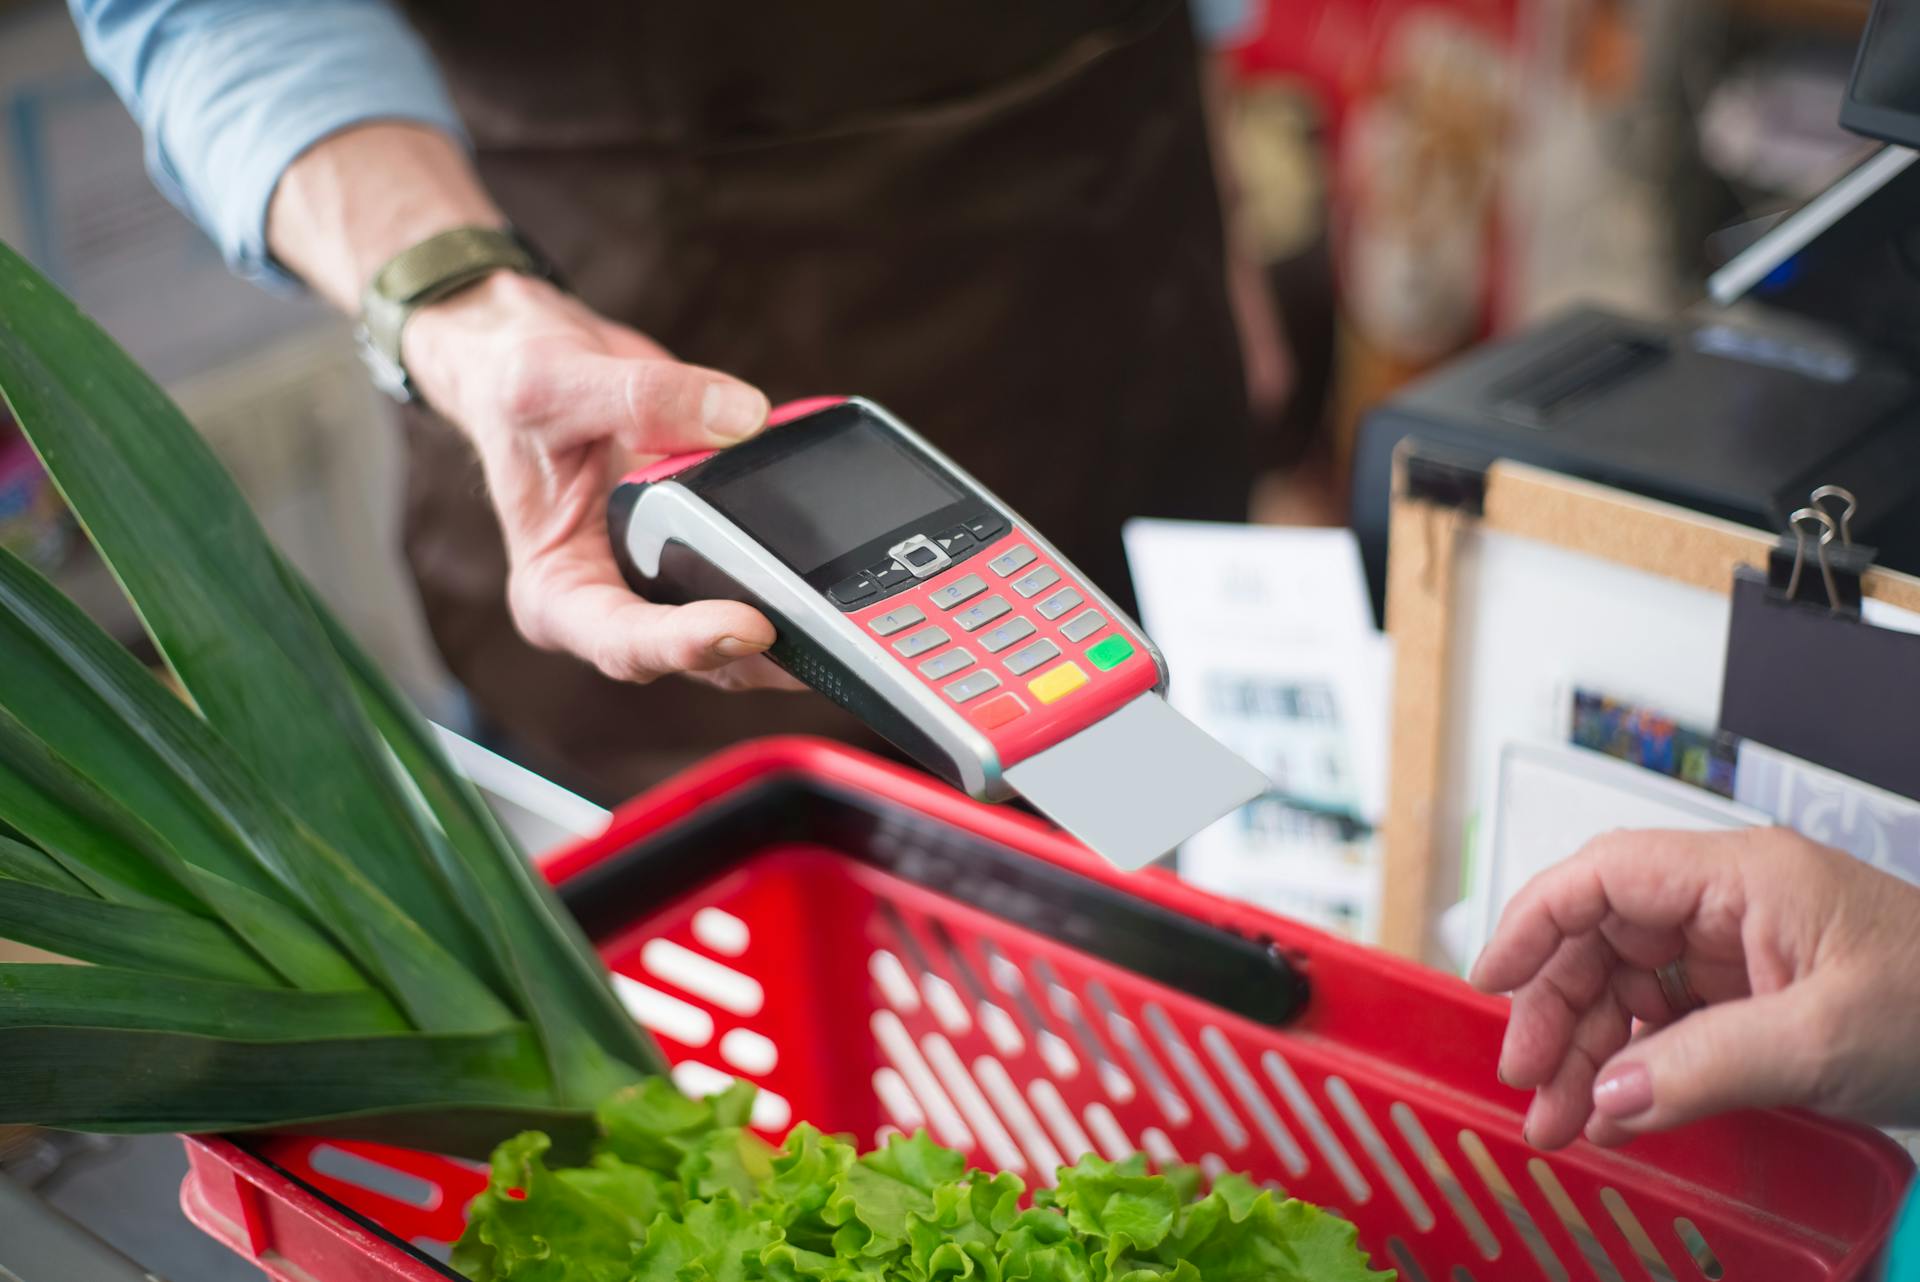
(914, 598)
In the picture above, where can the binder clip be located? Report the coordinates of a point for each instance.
(1817, 562)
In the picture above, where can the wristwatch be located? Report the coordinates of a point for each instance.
(436, 268)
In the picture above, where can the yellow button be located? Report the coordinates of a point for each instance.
(1057, 683)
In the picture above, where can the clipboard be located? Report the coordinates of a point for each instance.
(1450, 514)
(1807, 674)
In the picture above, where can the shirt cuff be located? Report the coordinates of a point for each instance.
(239, 102)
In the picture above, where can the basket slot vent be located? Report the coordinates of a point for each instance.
(1575, 1223)
(1059, 1056)
(1125, 1035)
(1510, 1205)
(1446, 1181)
(1112, 1137)
(749, 1052)
(1000, 1027)
(1113, 1078)
(771, 1112)
(1308, 1114)
(721, 932)
(375, 1177)
(1159, 1147)
(1348, 1105)
(1001, 1030)
(965, 1092)
(898, 1101)
(955, 1021)
(1213, 1166)
(887, 1135)
(1697, 1249)
(1630, 1228)
(433, 1248)
(946, 1005)
(663, 1013)
(1460, 1274)
(998, 1083)
(941, 996)
(1188, 1065)
(1254, 1100)
(1403, 1260)
(1065, 1128)
(705, 978)
(897, 1045)
(896, 986)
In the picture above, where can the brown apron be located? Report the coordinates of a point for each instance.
(995, 217)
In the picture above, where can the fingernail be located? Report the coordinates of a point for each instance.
(735, 648)
(1626, 1091)
(732, 410)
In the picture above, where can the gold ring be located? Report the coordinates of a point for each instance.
(1677, 988)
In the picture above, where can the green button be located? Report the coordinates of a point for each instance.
(1111, 653)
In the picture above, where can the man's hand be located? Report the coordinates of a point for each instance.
(1806, 959)
(558, 401)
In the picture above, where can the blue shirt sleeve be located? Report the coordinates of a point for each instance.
(231, 92)
(1224, 23)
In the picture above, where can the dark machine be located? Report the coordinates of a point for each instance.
(1737, 413)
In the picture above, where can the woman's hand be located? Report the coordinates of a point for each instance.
(1805, 962)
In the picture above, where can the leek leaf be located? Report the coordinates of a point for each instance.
(560, 979)
(122, 725)
(92, 704)
(210, 590)
(67, 815)
(118, 846)
(51, 995)
(106, 1079)
(21, 862)
(157, 939)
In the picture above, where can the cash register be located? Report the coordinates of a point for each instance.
(1798, 370)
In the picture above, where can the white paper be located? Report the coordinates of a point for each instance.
(1261, 585)
(1268, 634)
(1871, 824)
(1552, 799)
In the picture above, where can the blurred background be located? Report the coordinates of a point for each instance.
(1414, 175)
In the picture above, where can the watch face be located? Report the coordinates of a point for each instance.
(387, 375)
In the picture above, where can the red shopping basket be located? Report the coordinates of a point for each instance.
(879, 953)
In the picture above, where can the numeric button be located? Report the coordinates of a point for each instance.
(975, 617)
(959, 590)
(942, 666)
(1013, 630)
(1039, 581)
(1021, 662)
(971, 687)
(1082, 626)
(915, 644)
(1012, 559)
(898, 619)
(1059, 603)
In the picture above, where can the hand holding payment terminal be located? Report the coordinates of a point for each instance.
(905, 592)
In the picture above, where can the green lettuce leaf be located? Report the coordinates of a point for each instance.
(682, 1190)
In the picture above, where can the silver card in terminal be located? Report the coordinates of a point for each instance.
(1136, 784)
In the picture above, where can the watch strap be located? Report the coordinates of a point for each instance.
(435, 268)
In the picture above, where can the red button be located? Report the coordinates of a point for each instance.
(996, 712)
